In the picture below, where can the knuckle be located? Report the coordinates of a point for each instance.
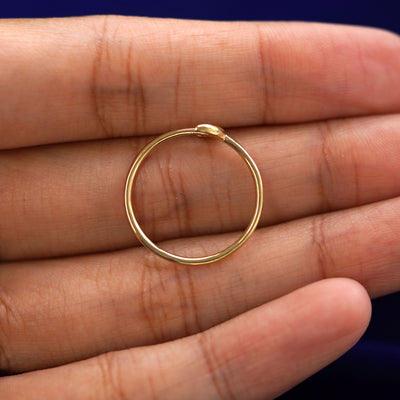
(323, 255)
(100, 59)
(325, 168)
(111, 387)
(8, 318)
(266, 73)
(333, 169)
(171, 189)
(186, 302)
(10, 199)
(115, 76)
(167, 302)
(215, 367)
(150, 301)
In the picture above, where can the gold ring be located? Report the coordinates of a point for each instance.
(200, 131)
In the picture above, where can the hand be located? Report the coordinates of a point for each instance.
(76, 285)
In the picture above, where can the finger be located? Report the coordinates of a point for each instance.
(257, 355)
(190, 187)
(86, 78)
(135, 298)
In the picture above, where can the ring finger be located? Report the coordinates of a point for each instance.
(189, 187)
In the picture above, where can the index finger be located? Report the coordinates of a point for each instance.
(257, 355)
(94, 77)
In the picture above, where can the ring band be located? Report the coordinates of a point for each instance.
(203, 130)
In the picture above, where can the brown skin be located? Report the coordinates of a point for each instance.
(316, 107)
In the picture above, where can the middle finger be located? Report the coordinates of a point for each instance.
(58, 311)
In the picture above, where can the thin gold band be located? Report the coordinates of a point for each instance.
(201, 131)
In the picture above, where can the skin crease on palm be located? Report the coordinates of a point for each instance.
(85, 311)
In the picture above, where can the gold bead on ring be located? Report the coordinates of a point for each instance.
(203, 130)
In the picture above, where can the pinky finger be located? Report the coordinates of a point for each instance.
(258, 355)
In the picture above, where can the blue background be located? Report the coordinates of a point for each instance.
(383, 13)
(372, 368)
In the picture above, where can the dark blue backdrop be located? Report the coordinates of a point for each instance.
(381, 13)
(372, 368)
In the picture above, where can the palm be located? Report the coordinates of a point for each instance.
(74, 281)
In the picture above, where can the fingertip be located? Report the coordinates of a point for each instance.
(352, 306)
